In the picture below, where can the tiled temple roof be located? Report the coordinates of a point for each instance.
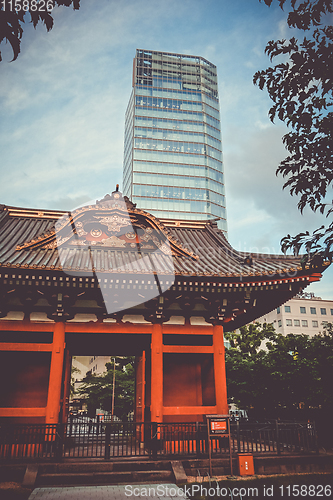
(112, 257)
(27, 240)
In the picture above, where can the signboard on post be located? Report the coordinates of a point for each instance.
(218, 426)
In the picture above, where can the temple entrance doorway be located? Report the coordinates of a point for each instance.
(100, 432)
(97, 349)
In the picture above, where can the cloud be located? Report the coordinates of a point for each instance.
(257, 205)
(70, 202)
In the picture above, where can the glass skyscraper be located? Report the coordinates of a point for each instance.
(172, 150)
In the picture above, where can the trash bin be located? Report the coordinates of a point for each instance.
(245, 465)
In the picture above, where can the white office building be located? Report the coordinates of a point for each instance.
(97, 364)
(306, 314)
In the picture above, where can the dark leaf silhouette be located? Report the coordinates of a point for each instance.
(12, 21)
(289, 372)
(301, 89)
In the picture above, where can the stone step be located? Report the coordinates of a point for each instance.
(91, 478)
(101, 466)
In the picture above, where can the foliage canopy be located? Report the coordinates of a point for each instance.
(97, 389)
(273, 374)
(301, 88)
(12, 19)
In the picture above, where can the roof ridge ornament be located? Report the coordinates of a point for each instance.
(113, 212)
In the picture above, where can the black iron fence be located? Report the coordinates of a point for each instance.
(30, 441)
(275, 437)
(88, 438)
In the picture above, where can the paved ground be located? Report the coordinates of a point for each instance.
(139, 491)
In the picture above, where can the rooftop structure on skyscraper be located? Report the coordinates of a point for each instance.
(172, 153)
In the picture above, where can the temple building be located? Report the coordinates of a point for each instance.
(172, 148)
(113, 279)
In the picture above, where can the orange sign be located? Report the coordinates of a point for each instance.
(218, 426)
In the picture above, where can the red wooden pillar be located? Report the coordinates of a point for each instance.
(156, 406)
(56, 370)
(67, 386)
(219, 371)
(140, 383)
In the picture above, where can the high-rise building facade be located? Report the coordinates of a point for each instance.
(304, 314)
(172, 150)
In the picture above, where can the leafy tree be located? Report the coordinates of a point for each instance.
(74, 371)
(97, 389)
(276, 375)
(301, 89)
(322, 351)
(245, 366)
(14, 14)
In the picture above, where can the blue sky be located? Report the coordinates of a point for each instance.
(63, 103)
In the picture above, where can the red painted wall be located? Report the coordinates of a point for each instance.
(24, 380)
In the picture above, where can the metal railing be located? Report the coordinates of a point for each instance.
(22, 441)
(275, 437)
(107, 440)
